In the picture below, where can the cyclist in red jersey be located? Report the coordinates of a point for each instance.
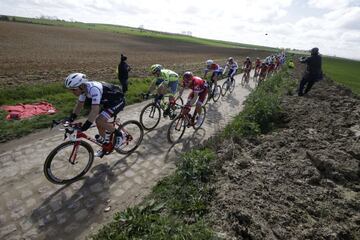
(199, 91)
(262, 72)
(257, 67)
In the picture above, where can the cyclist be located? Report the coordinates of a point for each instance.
(165, 81)
(199, 91)
(262, 72)
(233, 67)
(257, 67)
(216, 71)
(108, 95)
(247, 68)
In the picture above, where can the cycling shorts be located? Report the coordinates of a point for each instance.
(113, 108)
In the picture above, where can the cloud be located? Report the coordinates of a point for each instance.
(329, 4)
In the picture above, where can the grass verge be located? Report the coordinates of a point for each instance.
(175, 208)
(56, 94)
(262, 107)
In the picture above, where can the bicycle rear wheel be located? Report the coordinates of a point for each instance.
(203, 114)
(232, 86)
(68, 162)
(150, 116)
(225, 87)
(133, 135)
(176, 129)
(216, 93)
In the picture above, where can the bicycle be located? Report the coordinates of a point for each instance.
(228, 85)
(72, 159)
(184, 120)
(151, 114)
(214, 92)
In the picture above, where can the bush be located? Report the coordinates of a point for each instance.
(262, 107)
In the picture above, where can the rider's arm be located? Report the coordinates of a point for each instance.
(95, 109)
(205, 72)
(152, 86)
(77, 109)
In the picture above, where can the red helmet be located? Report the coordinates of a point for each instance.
(187, 77)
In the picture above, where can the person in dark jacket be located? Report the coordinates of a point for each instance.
(123, 73)
(313, 71)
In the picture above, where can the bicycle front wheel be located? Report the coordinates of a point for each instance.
(150, 116)
(133, 135)
(203, 115)
(176, 129)
(216, 93)
(68, 162)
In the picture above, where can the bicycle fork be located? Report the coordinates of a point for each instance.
(73, 154)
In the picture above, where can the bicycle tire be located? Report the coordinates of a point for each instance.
(174, 124)
(153, 109)
(203, 112)
(48, 171)
(232, 86)
(216, 97)
(224, 88)
(130, 127)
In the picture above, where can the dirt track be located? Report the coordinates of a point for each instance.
(300, 182)
(36, 53)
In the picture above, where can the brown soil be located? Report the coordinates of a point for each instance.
(301, 181)
(37, 53)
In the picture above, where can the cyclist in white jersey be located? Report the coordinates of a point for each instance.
(107, 95)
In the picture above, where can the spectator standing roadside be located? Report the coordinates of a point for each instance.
(313, 71)
(123, 73)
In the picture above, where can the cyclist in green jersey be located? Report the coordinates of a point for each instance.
(165, 82)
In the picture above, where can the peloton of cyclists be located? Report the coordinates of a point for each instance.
(165, 81)
(199, 92)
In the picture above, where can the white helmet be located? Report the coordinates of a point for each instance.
(74, 80)
(209, 62)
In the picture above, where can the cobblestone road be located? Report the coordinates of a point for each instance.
(33, 208)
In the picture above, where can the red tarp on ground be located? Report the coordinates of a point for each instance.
(20, 111)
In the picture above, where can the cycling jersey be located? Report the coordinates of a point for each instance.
(199, 86)
(248, 65)
(214, 67)
(263, 69)
(233, 66)
(167, 76)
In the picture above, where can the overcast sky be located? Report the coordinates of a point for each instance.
(331, 25)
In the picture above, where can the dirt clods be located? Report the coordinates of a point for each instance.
(301, 181)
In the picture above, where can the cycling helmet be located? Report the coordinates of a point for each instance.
(247, 58)
(155, 68)
(314, 51)
(257, 58)
(209, 62)
(74, 80)
(187, 77)
(230, 59)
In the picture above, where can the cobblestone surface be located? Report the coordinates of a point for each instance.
(33, 208)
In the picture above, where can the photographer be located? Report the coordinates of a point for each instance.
(313, 71)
